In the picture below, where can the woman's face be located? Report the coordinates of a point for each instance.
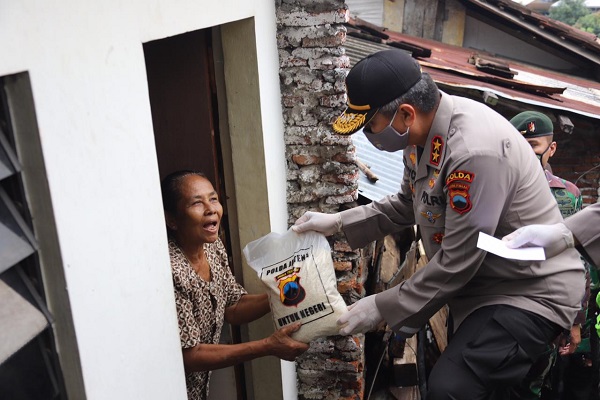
(198, 211)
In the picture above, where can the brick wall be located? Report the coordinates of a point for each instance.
(321, 173)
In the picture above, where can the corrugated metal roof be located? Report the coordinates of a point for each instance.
(387, 166)
(357, 49)
(449, 65)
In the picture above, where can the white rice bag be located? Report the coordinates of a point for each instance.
(298, 272)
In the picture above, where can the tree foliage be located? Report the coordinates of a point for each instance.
(589, 23)
(569, 11)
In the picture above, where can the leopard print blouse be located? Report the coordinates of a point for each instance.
(201, 305)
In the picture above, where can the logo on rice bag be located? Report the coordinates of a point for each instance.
(291, 292)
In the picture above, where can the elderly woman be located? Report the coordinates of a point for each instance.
(206, 292)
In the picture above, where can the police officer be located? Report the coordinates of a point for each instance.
(581, 231)
(467, 170)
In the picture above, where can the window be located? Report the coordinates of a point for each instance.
(29, 367)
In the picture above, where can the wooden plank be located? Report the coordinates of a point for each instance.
(393, 15)
(454, 25)
(430, 19)
(390, 260)
(413, 18)
(438, 320)
(417, 51)
(405, 393)
(370, 28)
(405, 372)
(371, 176)
(420, 18)
(407, 365)
(409, 356)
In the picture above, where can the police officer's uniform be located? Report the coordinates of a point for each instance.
(475, 174)
(585, 226)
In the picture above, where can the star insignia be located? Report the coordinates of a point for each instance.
(436, 150)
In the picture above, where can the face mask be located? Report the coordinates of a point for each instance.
(539, 156)
(389, 139)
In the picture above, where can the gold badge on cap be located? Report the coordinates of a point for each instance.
(348, 122)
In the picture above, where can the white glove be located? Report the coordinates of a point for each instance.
(362, 316)
(553, 238)
(327, 224)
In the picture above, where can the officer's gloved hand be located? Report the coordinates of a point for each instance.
(327, 224)
(553, 238)
(362, 316)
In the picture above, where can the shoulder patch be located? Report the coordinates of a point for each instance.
(459, 183)
(460, 175)
(460, 200)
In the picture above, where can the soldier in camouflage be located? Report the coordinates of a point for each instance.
(538, 130)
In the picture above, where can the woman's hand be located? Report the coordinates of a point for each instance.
(281, 345)
(207, 357)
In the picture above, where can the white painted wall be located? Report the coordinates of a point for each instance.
(87, 72)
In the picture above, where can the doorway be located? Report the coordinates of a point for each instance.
(183, 99)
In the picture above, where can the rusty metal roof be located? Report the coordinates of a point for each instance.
(458, 67)
(539, 27)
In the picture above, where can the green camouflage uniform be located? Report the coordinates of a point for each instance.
(533, 124)
(569, 201)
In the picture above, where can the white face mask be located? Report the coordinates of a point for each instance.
(389, 139)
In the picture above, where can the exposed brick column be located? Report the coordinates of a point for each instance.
(321, 172)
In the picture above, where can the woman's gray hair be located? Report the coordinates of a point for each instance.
(423, 96)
